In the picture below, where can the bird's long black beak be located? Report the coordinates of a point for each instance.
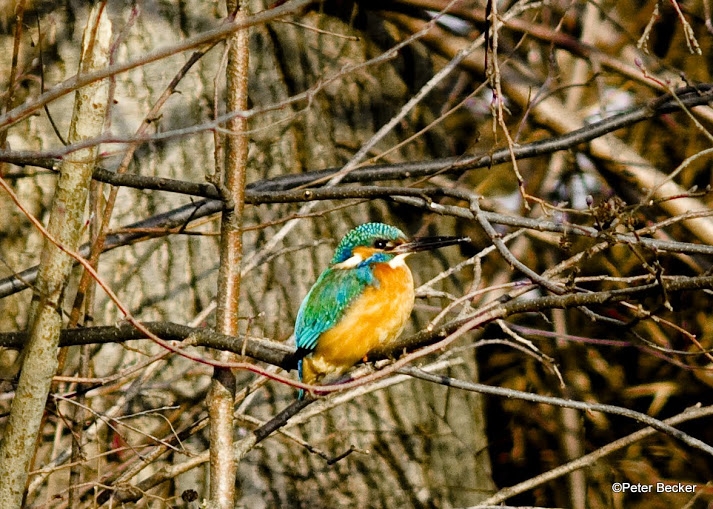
(428, 243)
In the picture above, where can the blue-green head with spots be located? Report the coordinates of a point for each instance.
(378, 239)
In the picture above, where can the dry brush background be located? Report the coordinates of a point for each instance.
(572, 144)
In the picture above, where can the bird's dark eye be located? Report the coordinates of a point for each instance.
(380, 243)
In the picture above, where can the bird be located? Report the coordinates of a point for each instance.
(360, 302)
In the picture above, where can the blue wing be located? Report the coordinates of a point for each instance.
(326, 302)
(325, 305)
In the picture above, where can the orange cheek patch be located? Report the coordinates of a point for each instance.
(364, 252)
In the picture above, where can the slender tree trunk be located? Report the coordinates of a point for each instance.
(221, 397)
(65, 228)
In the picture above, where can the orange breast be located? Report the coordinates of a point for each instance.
(373, 319)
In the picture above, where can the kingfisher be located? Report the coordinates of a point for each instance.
(360, 302)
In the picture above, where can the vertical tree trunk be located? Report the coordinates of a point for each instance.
(221, 397)
(65, 228)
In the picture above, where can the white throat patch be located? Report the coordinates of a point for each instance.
(398, 261)
(349, 263)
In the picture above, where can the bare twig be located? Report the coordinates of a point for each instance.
(565, 403)
(589, 459)
(209, 37)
